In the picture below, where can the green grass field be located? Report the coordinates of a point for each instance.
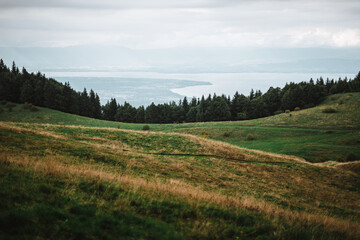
(64, 176)
(310, 133)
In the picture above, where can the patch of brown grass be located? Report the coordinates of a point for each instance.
(16, 129)
(52, 166)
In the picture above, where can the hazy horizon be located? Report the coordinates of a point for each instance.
(297, 38)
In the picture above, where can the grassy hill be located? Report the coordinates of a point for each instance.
(311, 134)
(65, 176)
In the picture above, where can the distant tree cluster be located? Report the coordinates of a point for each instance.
(294, 96)
(33, 88)
(21, 87)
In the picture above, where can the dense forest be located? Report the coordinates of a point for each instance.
(23, 87)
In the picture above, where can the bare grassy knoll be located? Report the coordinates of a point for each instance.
(67, 181)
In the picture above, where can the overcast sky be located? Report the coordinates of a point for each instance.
(144, 24)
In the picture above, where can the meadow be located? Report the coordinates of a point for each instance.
(66, 176)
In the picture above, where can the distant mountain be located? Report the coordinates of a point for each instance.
(183, 60)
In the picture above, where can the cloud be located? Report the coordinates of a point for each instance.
(165, 24)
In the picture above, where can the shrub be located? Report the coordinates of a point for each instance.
(341, 102)
(118, 126)
(290, 115)
(351, 157)
(204, 134)
(146, 128)
(278, 112)
(329, 110)
(297, 109)
(250, 137)
(26, 105)
(226, 134)
(10, 105)
(329, 132)
(287, 111)
(33, 108)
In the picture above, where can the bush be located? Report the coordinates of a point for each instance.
(33, 108)
(329, 132)
(204, 134)
(341, 102)
(351, 157)
(329, 110)
(26, 105)
(226, 134)
(146, 128)
(278, 112)
(10, 105)
(287, 111)
(29, 106)
(250, 137)
(297, 109)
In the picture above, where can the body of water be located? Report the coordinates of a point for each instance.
(142, 88)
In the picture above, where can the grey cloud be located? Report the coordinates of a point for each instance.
(164, 23)
(134, 4)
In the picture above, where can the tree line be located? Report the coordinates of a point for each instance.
(34, 88)
(22, 86)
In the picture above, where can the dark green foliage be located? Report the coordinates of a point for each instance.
(351, 157)
(329, 110)
(26, 106)
(250, 137)
(20, 87)
(146, 128)
(226, 134)
(10, 105)
(33, 108)
(126, 113)
(109, 110)
(191, 115)
(29, 106)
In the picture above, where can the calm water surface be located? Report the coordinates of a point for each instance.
(142, 88)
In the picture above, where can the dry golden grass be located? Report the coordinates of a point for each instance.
(53, 166)
(210, 147)
(10, 127)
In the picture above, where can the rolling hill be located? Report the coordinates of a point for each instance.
(66, 176)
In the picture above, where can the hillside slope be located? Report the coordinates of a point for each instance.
(309, 133)
(88, 182)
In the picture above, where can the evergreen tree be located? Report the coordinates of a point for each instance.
(218, 110)
(140, 114)
(252, 95)
(201, 110)
(27, 94)
(185, 106)
(126, 113)
(110, 110)
(191, 115)
(152, 114)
